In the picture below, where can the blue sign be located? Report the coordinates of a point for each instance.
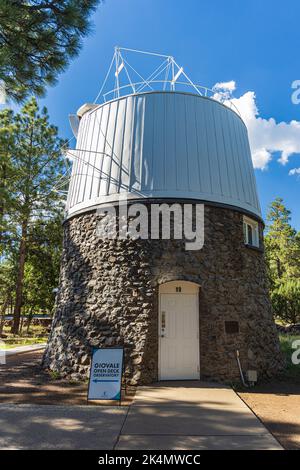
(106, 374)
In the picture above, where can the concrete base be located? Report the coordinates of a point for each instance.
(258, 442)
(60, 427)
(192, 415)
(179, 415)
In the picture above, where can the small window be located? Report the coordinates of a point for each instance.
(251, 236)
(232, 327)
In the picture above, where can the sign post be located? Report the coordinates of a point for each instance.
(106, 374)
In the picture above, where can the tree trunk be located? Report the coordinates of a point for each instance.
(293, 313)
(279, 271)
(30, 316)
(21, 322)
(20, 279)
(3, 310)
(3, 178)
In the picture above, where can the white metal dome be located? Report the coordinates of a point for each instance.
(157, 144)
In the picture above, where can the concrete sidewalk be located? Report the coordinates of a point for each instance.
(50, 427)
(177, 415)
(193, 416)
(22, 349)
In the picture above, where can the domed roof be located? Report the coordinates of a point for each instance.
(170, 145)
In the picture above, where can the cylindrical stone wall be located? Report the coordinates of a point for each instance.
(109, 296)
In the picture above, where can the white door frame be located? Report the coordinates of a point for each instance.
(187, 287)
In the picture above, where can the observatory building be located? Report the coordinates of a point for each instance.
(179, 313)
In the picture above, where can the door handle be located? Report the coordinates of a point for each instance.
(163, 320)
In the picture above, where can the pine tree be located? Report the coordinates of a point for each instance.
(281, 244)
(43, 264)
(286, 301)
(37, 40)
(7, 142)
(7, 283)
(283, 256)
(38, 166)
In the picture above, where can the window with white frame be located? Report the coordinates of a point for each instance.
(251, 235)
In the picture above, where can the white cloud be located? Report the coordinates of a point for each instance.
(223, 90)
(294, 171)
(230, 86)
(266, 135)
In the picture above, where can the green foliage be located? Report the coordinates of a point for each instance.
(42, 265)
(281, 243)
(32, 208)
(292, 371)
(37, 40)
(7, 282)
(21, 341)
(54, 375)
(7, 277)
(37, 161)
(7, 143)
(283, 256)
(35, 334)
(286, 300)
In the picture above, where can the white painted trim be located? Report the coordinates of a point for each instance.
(255, 233)
(187, 287)
(91, 204)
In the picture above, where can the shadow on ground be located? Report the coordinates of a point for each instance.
(277, 405)
(60, 427)
(22, 381)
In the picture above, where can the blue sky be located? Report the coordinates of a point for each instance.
(254, 43)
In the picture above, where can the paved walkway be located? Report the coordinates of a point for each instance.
(194, 416)
(60, 427)
(178, 415)
(22, 349)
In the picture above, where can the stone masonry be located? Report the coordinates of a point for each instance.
(109, 296)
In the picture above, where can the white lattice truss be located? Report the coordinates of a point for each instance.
(167, 76)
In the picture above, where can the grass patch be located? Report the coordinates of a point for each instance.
(14, 343)
(37, 334)
(292, 370)
(54, 375)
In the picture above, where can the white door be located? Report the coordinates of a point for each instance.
(179, 333)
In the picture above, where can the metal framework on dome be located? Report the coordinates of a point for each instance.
(166, 76)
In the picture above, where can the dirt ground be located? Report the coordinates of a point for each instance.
(23, 381)
(276, 404)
